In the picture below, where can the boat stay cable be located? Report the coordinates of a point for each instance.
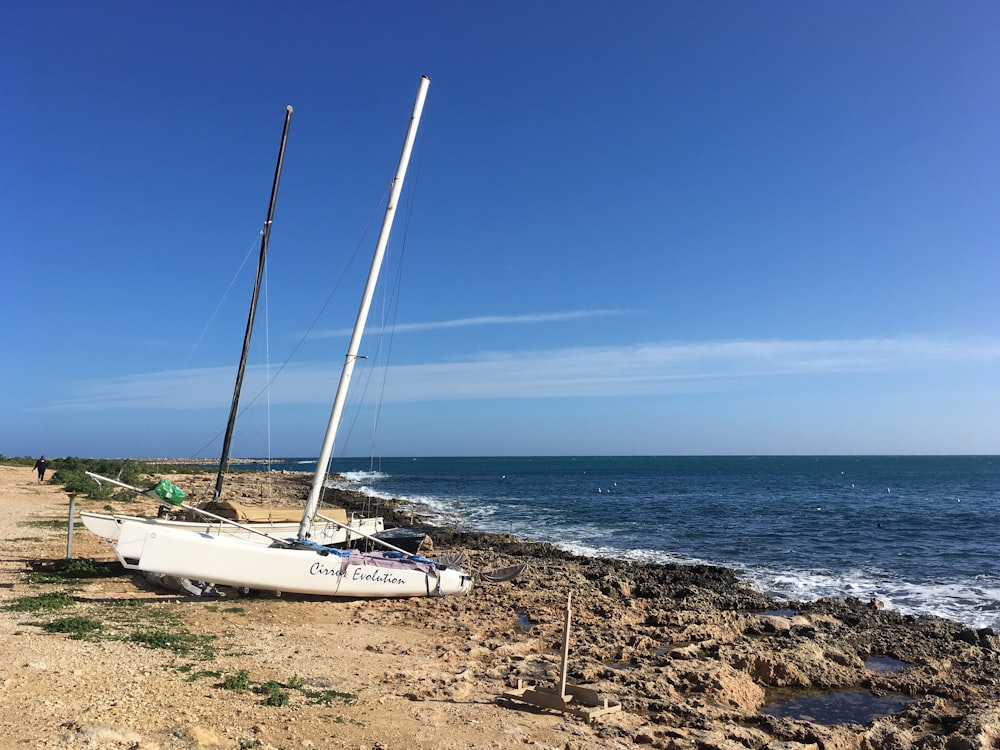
(252, 401)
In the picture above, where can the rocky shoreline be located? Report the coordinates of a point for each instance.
(701, 646)
(695, 658)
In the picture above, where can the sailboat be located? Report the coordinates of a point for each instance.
(270, 521)
(301, 564)
(256, 523)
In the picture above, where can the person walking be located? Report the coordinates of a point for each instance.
(40, 466)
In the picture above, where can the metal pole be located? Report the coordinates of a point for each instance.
(69, 535)
(264, 238)
(359, 324)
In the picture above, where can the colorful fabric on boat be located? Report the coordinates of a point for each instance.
(166, 492)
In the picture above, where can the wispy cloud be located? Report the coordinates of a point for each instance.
(663, 368)
(170, 389)
(487, 320)
(634, 370)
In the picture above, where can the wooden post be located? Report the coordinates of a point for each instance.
(565, 651)
(577, 700)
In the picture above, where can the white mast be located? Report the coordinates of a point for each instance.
(359, 326)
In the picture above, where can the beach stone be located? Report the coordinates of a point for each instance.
(772, 671)
(730, 688)
(968, 635)
(691, 651)
(774, 623)
(990, 641)
(885, 735)
(978, 731)
(96, 734)
(203, 738)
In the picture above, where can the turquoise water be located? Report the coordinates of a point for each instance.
(919, 533)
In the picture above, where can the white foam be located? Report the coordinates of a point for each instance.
(962, 601)
(356, 477)
(977, 606)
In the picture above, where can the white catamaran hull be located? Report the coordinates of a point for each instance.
(108, 526)
(186, 554)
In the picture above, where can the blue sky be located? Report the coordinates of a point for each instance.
(650, 228)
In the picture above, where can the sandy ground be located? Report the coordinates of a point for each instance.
(407, 669)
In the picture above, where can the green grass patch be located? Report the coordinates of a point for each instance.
(327, 697)
(204, 674)
(343, 720)
(50, 523)
(77, 628)
(74, 569)
(180, 642)
(41, 602)
(116, 621)
(280, 694)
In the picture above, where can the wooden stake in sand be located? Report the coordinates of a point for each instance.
(571, 699)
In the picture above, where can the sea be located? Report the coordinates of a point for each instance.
(919, 533)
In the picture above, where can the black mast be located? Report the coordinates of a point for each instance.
(265, 236)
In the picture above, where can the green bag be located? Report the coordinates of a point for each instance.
(167, 492)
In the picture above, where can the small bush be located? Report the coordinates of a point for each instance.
(273, 694)
(239, 682)
(17, 460)
(72, 472)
